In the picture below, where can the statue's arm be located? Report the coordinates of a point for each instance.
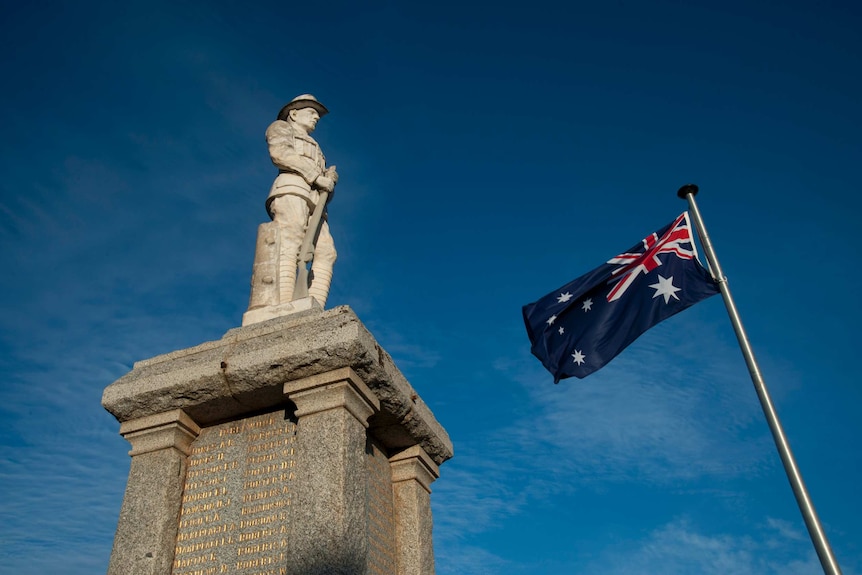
(279, 138)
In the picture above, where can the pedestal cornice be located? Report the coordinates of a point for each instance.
(247, 369)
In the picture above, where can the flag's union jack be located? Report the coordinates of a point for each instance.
(581, 326)
(676, 240)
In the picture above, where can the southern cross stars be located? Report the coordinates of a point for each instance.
(587, 304)
(551, 320)
(564, 297)
(578, 357)
(666, 288)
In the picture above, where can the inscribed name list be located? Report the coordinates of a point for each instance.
(234, 515)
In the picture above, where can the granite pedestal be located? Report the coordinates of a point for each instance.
(291, 446)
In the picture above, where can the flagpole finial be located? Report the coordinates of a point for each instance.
(686, 190)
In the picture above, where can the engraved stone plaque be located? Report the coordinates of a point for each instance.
(234, 516)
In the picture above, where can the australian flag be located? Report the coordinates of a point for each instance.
(580, 327)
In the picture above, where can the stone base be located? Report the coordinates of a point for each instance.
(273, 311)
(293, 446)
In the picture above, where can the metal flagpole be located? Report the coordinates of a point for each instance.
(815, 530)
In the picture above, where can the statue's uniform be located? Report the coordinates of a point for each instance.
(290, 203)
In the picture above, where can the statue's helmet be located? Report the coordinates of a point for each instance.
(300, 102)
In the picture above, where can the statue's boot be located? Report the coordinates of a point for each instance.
(321, 279)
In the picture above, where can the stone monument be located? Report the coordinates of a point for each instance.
(291, 446)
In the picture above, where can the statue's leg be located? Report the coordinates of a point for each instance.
(291, 214)
(321, 266)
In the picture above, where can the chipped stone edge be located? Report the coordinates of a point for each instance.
(247, 369)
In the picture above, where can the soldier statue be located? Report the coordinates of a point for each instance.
(299, 231)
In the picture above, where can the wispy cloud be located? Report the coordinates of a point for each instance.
(97, 282)
(463, 559)
(662, 411)
(659, 415)
(61, 498)
(682, 548)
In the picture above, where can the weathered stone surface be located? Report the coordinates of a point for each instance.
(331, 503)
(289, 447)
(412, 475)
(147, 528)
(247, 368)
(235, 514)
(274, 310)
(382, 546)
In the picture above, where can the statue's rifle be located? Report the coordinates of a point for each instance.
(306, 250)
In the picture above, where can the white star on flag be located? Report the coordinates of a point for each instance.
(608, 308)
(666, 288)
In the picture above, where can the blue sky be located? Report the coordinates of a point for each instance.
(487, 155)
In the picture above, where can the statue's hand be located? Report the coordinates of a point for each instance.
(324, 183)
(332, 174)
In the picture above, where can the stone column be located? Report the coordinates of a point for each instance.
(331, 502)
(413, 471)
(147, 529)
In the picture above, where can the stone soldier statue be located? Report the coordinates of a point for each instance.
(296, 204)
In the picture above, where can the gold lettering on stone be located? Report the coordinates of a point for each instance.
(204, 448)
(258, 562)
(206, 482)
(229, 430)
(261, 458)
(180, 563)
(263, 507)
(206, 571)
(236, 497)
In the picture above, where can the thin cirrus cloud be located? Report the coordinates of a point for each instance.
(680, 548)
(654, 414)
(679, 420)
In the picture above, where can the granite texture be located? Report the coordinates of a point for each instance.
(291, 446)
(382, 550)
(147, 528)
(171, 429)
(412, 475)
(330, 503)
(414, 525)
(246, 369)
(235, 513)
